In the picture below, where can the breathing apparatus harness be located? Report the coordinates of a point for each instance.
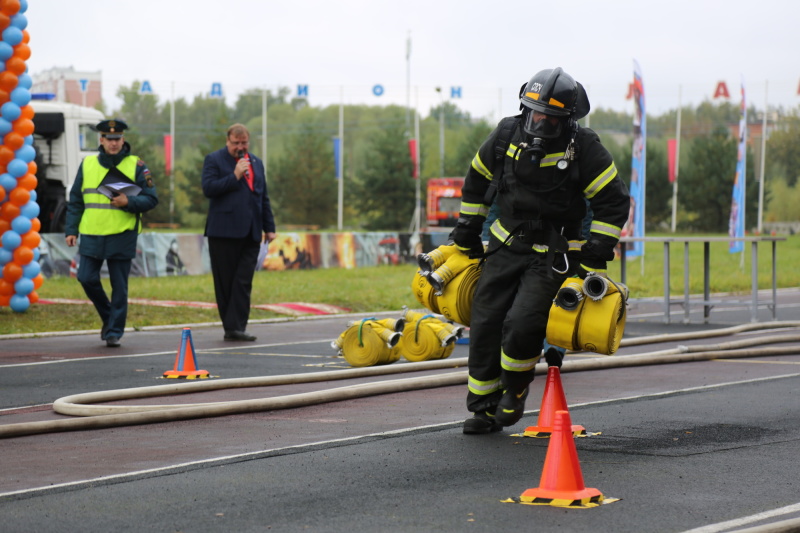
(535, 150)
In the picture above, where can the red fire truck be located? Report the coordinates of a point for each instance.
(444, 201)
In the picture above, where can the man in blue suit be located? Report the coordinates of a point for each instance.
(239, 219)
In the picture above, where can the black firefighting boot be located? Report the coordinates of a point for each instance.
(481, 423)
(511, 407)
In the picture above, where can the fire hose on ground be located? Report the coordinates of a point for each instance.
(105, 416)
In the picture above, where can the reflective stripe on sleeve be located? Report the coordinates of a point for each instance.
(474, 209)
(480, 168)
(606, 229)
(482, 388)
(517, 365)
(600, 181)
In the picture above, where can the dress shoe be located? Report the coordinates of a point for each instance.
(112, 342)
(238, 336)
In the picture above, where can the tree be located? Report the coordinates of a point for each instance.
(303, 187)
(384, 189)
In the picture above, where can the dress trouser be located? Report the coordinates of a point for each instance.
(112, 312)
(233, 264)
(508, 324)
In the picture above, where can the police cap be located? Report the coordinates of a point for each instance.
(111, 128)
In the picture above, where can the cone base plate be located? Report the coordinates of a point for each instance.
(197, 374)
(562, 498)
(545, 432)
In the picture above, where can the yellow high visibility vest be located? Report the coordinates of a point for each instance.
(99, 216)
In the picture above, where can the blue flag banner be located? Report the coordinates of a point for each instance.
(635, 224)
(736, 224)
(337, 153)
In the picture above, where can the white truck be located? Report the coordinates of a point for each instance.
(63, 135)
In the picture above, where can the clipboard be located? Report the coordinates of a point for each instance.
(116, 183)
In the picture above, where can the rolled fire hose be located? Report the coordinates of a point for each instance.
(370, 342)
(426, 337)
(105, 416)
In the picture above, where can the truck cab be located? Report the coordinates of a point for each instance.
(63, 135)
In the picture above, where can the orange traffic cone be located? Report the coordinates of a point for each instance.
(552, 401)
(186, 363)
(562, 482)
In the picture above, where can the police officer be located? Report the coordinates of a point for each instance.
(545, 174)
(111, 191)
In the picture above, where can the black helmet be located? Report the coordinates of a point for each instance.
(555, 93)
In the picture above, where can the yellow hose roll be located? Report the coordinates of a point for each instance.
(602, 323)
(420, 342)
(565, 315)
(455, 302)
(364, 345)
(424, 293)
(437, 257)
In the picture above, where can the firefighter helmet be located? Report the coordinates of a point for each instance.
(554, 93)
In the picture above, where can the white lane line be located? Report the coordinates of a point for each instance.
(722, 526)
(228, 459)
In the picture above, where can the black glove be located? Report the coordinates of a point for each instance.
(467, 236)
(582, 269)
(554, 356)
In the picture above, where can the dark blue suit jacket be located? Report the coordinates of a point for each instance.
(234, 211)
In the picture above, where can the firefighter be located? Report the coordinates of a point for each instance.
(543, 170)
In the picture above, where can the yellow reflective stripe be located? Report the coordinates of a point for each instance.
(600, 181)
(606, 229)
(513, 151)
(480, 168)
(474, 209)
(540, 248)
(576, 245)
(483, 388)
(592, 269)
(551, 159)
(499, 231)
(517, 365)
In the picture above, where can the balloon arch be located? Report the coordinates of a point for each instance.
(19, 212)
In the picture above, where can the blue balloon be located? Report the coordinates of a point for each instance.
(20, 96)
(19, 21)
(36, 255)
(29, 140)
(12, 35)
(21, 225)
(10, 111)
(30, 210)
(32, 269)
(8, 182)
(5, 126)
(6, 51)
(27, 153)
(25, 81)
(11, 240)
(34, 196)
(23, 6)
(19, 303)
(6, 256)
(17, 168)
(23, 286)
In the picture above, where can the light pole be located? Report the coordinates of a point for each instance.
(441, 131)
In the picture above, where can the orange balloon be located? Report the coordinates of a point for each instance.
(33, 167)
(4, 97)
(12, 272)
(16, 65)
(23, 126)
(38, 281)
(8, 81)
(6, 288)
(36, 224)
(5, 225)
(5, 21)
(2, 197)
(31, 239)
(19, 196)
(14, 140)
(27, 111)
(10, 7)
(5, 301)
(33, 297)
(23, 255)
(28, 181)
(26, 36)
(9, 211)
(6, 155)
(22, 51)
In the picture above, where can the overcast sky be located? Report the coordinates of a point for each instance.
(342, 49)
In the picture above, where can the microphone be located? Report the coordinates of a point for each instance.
(244, 155)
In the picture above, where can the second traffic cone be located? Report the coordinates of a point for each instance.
(562, 481)
(553, 400)
(185, 360)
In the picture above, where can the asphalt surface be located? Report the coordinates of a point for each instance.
(705, 446)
